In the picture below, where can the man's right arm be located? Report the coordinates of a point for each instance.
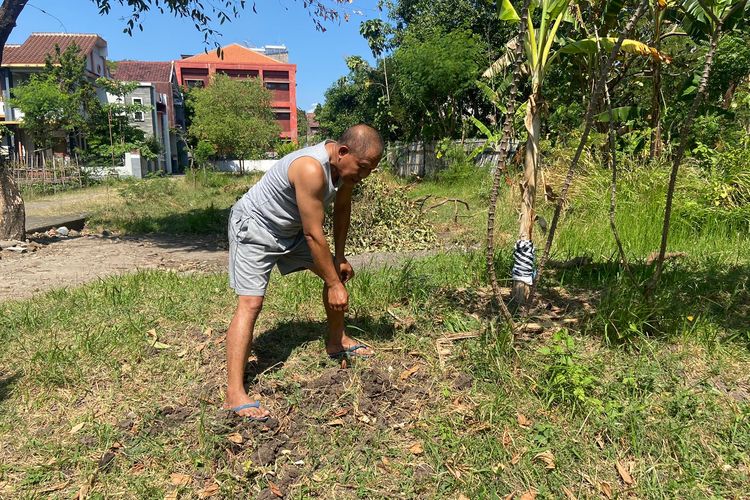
(309, 184)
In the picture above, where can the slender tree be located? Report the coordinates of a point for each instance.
(542, 49)
(711, 18)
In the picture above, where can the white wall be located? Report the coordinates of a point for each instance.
(246, 165)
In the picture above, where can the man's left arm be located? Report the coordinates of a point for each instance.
(342, 212)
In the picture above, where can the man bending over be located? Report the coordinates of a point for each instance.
(279, 221)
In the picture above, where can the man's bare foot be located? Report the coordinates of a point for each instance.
(337, 348)
(255, 411)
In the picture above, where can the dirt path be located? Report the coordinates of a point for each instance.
(76, 261)
(80, 260)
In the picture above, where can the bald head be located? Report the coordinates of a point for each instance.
(363, 141)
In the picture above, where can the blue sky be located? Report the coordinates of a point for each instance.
(319, 56)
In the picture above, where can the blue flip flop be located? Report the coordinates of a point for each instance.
(255, 404)
(350, 353)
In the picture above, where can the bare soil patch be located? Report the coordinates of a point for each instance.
(58, 263)
(71, 262)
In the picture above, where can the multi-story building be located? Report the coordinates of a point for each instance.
(159, 92)
(20, 61)
(238, 61)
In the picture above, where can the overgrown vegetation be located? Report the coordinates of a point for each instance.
(197, 204)
(384, 218)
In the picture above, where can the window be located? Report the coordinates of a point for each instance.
(138, 115)
(277, 86)
(239, 73)
(191, 84)
(280, 75)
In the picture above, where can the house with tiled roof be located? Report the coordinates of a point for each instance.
(237, 61)
(20, 61)
(158, 90)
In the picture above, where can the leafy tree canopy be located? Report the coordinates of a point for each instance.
(234, 116)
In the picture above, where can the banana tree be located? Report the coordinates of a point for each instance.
(542, 47)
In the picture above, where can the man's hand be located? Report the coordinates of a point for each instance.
(344, 269)
(338, 297)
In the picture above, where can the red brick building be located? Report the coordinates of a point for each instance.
(241, 62)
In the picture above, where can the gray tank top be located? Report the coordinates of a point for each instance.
(272, 202)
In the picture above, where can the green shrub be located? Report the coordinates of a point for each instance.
(284, 148)
(566, 379)
(145, 191)
(458, 164)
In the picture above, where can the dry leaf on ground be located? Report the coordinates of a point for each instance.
(210, 490)
(341, 412)
(408, 373)
(275, 489)
(507, 438)
(416, 448)
(462, 497)
(569, 493)
(54, 487)
(172, 495)
(77, 428)
(236, 438)
(599, 441)
(178, 479)
(529, 495)
(547, 458)
(208, 332)
(523, 421)
(335, 422)
(606, 489)
(624, 474)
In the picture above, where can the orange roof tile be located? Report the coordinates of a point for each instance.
(233, 54)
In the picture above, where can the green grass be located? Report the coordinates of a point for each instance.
(672, 410)
(197, 203)
(658, 387)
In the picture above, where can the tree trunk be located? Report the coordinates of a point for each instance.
(656, 142)
(12, 211)
(533, 122)
(687, 126)
(729, 95)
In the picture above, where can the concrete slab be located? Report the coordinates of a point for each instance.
(41, 224)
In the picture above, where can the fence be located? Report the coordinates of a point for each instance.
(410, 159)
(54, 172)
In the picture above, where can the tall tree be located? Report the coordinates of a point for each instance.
(234, 116)
(435, 75)
(202, 14)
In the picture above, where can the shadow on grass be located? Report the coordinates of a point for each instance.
(197, 228)
(273, 347)
(6, 384)
(689, 292)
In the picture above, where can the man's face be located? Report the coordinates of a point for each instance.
(352, 168)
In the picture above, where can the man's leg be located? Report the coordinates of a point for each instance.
(338, 340)
(239, 337)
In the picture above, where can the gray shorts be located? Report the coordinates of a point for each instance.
(253, 251)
